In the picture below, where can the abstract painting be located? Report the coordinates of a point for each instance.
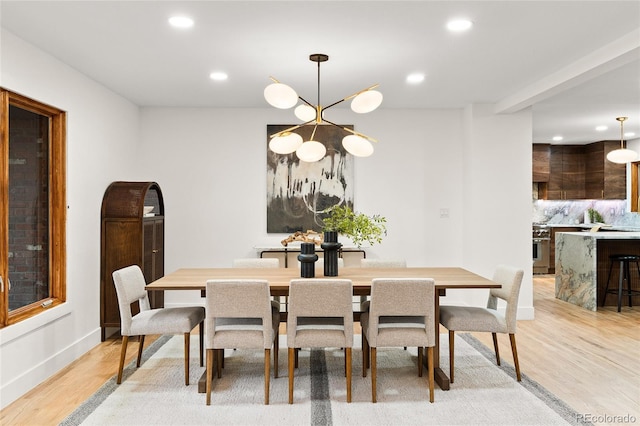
(300, 194)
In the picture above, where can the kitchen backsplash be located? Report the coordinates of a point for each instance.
(567, 212)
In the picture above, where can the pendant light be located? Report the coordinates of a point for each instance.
(622, 155)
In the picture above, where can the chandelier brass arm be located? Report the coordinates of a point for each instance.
(353, 132)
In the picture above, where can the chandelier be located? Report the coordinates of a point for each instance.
(622, 155)
(286, 141)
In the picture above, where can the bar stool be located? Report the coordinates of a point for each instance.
(625, 275)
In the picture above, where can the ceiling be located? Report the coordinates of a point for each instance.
(576, 63)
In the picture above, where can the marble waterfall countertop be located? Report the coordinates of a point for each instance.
(577, 265)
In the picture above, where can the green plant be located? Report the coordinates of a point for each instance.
(595, 216)
(359, 227)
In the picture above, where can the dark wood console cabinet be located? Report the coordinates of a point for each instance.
(129, 237)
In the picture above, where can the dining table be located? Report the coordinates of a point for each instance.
(445, 278)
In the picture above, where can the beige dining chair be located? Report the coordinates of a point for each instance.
(130, 287)
(240, 314)
(401, 313)
(256, 262)
(320, 316)
(379, 263)
(489, 319)
(261, 262)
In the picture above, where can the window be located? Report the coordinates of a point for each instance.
(32, 207)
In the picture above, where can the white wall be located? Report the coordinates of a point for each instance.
(102, 132)
(210, 164)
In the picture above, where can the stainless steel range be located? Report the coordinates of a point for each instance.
(541, 245)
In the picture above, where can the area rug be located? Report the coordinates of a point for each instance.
(483, 393)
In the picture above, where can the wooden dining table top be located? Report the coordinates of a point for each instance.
(279, 278)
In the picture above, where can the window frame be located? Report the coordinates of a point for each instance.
(57, 207)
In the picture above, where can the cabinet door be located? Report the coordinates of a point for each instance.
(153, 256)
(540, 163)
(573, 172)
(119, 250)
(567, 172)
(615, 175)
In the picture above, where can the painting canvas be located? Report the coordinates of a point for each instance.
(300, 194)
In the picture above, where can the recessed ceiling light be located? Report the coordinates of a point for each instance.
(415, 78)
(629, 134)
(557, 138)
(601, 128)
(181, 22)
(218, 76)
(459, 25)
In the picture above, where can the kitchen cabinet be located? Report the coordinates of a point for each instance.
(604, 179)
(540, 165)
(579, 172)
(566, 172)
(128, 236)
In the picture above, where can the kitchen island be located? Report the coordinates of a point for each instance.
(582, 265)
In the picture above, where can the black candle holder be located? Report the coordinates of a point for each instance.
(307, 258)
(331, 247)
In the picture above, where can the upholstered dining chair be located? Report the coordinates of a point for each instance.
(256, 262)
(320, 316)
(130, 287)
(379, 263)
(240, 314)
(489, 319)
(261, 262)
(401, 313)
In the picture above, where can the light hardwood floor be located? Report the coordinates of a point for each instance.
(588, 359)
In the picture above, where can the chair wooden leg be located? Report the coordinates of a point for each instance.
(431, 373)
(451, 340)
(495, 346)
(365, 355)
(348, 368)
(516, 364)
(345, 361)
(123, 354)
(374, 372)
(187, 354)
(140, 348)
(201, 336)
(292, 355)
(209, 372)
(276, 348)
(267, 375)
(419, 362)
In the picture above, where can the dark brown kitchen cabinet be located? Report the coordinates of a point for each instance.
(566, 172)
(579, 172)
(541, 159)
(604, 179)
(128, 236)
